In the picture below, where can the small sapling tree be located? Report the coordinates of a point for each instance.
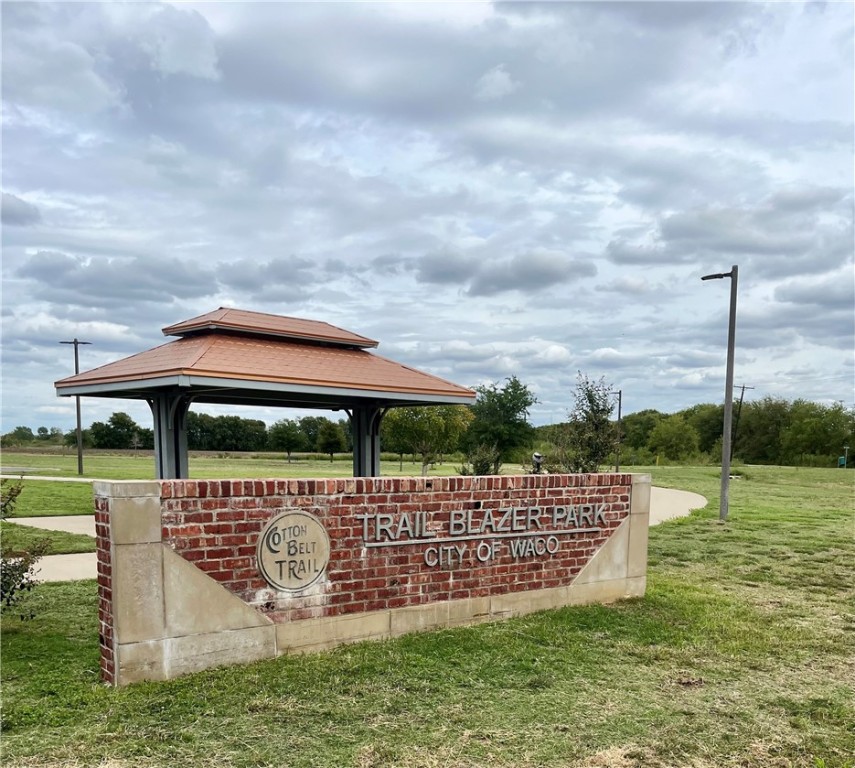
(585, 442)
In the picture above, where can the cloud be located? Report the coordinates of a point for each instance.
(446, 267)
(17, 212)
(115, 282)
(529, 273)
(43, 70)
(782, 234)
(832, 292)
(177, 41)
(287, 278)
(528, 188)
(495, 84)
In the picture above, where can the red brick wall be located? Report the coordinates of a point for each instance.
(105, 590)
(215, 525)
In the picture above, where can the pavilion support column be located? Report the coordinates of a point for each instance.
(170, 435)
(365, 426)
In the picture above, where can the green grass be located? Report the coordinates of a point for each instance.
(129, 466)
(740, 654)
(44, 498)
(20, 537)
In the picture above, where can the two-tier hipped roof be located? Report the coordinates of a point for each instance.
(238, 357)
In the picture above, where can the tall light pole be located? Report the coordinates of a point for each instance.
(728, 390)
(77, 343)
(617, 452)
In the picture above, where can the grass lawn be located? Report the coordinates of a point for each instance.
(741, 654)
(129, 466)
(20, 537)
(44, 498)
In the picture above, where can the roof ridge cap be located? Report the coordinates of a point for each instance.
(205, 346)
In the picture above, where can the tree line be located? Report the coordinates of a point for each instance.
(766, 431)
(316, 434)
(496, 430)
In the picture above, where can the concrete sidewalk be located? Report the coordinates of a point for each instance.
(665, 504)
(82, 565)
(52, 478)
(84, 524)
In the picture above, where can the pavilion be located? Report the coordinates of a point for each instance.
(238, 357)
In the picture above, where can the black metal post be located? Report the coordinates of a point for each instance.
(76, 342)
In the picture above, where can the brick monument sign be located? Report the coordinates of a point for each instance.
(194, 574)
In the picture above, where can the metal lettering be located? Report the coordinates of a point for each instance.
(533, 518)
(383, 524)
(457, 523)
(487, 550)
(446, 555)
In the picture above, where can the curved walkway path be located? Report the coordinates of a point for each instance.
(665, 504)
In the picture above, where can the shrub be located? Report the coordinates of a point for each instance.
(481, 460)
(17, 575)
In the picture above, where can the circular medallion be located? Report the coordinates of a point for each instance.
(293, 551)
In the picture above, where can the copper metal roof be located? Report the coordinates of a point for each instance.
(234, 356)
(262, 324)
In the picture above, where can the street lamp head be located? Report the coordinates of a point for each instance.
(75, 341)
(720, 275)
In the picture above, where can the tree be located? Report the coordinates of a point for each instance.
(286, 435)
(674, 438)
(499, 423)
(200, 431)
(233, 433)
(311, 426)
(455, 421)
(70, 438)
(428, 431)
(331, 438)
(816, 433)
(589, 437)
(118, 432)
(394, 434)
(18, 436)
(708, 421)
(761, 426)
(347, 431)
(636, 427)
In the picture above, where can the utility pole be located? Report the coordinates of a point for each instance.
(728, 390)
(617, 453)
(76, 342)
(736, 421)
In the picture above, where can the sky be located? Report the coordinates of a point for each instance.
(489, 190)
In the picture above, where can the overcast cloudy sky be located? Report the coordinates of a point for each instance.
(487, 189)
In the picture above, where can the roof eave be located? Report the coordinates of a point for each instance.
(208, 384)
